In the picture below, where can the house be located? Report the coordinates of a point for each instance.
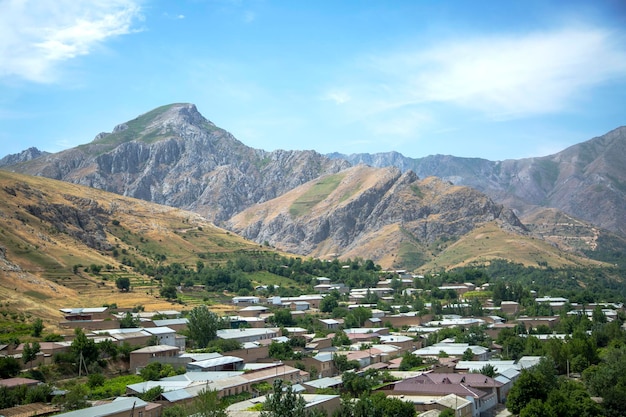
(322, 363)
(18, 382)
(533, 322)
(482, 396)
(86, 313)
(174, 324)
(248, 335)
(164, 336)
(313, 300)
(334, 382)
(141, 357)
(247, 300)
(253, 311)
(330, 324)
(509, 307)
(405, 343)
(299, 305)
(221, 363)
(455, 350)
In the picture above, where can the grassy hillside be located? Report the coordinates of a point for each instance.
(64, 245)
(490, 242)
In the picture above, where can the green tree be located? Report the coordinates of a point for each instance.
(329, 303)
(488, 370)
(169, 292)
(283, 402)
(410, 361)
(357, 317)
(152, 394)
(535, 383)
(203, 325)
(85, 347)
(9, 367)
(342, 363)
(37, 328)
(468, 355)
(207, 404)
(75, 398)
(283, 318)
(96, 379)
(123, 284)
(129, 321)
(30, 351)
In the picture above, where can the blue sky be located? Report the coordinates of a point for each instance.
(496, 79)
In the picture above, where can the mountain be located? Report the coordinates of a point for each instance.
(586, 181)
(24, 156)
(395, 219)
(52, 232)
(172, 155)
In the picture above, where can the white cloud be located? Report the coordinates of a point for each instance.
(501, 77)
(36, 35)
(337, 96)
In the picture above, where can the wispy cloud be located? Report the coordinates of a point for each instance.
(500, 77)
(37, 35)
(249, 16)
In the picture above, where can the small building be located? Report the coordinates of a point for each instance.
(141, 357)
(329, 324)
(244, 335)
(246, 300)
(222, 363)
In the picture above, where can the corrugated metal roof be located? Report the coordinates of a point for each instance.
(119, 405)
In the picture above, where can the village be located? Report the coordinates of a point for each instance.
(436, 361)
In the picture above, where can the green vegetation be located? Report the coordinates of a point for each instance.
(315, 195)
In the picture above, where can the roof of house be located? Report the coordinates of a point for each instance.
(250, 332)
(328, 382)
(211, 363)
(156, 349)
(423, 385)
(118, 405)
(17, 381)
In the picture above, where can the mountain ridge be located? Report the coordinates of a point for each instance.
(174, 156)
(573, 180)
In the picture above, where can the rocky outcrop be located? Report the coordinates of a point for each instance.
(24, 156)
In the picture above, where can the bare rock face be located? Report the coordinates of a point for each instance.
(174, 156)
(340, 220)
(24, 156)
(586, 180)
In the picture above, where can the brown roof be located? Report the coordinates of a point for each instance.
(447, 383)
(16, 382)
(30, 410)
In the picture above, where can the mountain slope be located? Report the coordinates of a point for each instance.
(174, 156)
(51, 232)
(587, 181)
(393, 218)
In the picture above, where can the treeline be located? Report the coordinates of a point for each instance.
(235, 274)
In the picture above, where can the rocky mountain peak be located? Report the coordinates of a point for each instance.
(24, 156)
